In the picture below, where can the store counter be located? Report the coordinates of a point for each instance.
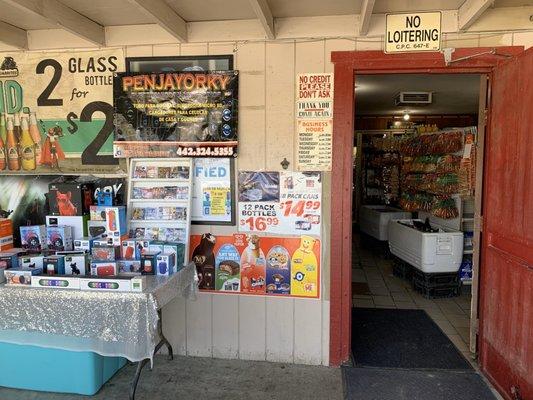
(91, 330)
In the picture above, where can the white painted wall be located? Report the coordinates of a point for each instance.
(257, 327)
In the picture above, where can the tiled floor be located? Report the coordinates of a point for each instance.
(384, 290)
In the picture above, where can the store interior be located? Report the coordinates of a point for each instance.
(414, 201)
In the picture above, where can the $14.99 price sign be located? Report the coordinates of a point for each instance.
(297, 211)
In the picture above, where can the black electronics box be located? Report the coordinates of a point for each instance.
(70, 198)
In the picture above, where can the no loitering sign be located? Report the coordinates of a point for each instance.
(413, 32)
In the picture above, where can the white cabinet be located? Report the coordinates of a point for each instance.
(374, 220)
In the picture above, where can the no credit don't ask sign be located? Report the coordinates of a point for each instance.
(413, 32)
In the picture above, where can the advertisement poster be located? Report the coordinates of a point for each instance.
(213, 191)
(58, 112)
(280, 202)
(252, 264)
(174, 114)
(314, 113)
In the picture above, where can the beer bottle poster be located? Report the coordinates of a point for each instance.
(57, 112)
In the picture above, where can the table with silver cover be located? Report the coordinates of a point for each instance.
(115, 324)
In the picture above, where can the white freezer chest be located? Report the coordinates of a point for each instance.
(374, 220)
(429, 252)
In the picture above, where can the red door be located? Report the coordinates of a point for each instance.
(506, 289)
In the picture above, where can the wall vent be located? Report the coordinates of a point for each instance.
(407, 98)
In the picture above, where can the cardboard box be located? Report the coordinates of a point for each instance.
(105, 253)
(53, 282)
(166, 264)
(148, 263)
(156, 246)
(129, 267)
(77, 264)
(96, 229)
(83, 244)
(33, 237)
(70, 198)
(54, 265)
(78, 224)
(59, 237)
(20, 276)
(106, 284)
(116, 223)
(104, 268)
(179, 250)
(6, 243)
(6, 227)
(97, 213)
(32, 261)
(129, 250)
(8, 260)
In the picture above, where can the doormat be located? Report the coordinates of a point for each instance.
(401, 384)
(402, 339)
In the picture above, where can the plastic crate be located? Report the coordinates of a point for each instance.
(402, 269)
(437, 292)
(436, 279)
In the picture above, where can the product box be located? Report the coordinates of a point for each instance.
(70, 198)
(6, 243)
(78, 223)
(138, 283)
(105, 253)
(6, 227)
(30, 262)
(129, 267)
(20, 276)
(53, 282)
(179, 250)
(97, 213)
(116, 284)
(33, 237)
(129, 250)
(54, 265)
(156, 246)
(115, 223)
(96, 229)
(76, 264)
(148, 263)
(8, 259)
(104, 268)
(103, 241)
(166, 264)
(83, 244)
(59, 237)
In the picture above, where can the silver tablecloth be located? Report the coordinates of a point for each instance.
(111, 324)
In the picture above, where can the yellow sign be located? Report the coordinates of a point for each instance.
(413, 32)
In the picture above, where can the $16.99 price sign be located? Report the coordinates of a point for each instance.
(298, 210)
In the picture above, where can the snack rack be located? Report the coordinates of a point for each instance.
(159, 199)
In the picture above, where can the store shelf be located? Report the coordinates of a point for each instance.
(159, 201)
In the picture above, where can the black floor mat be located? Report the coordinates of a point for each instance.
(399, 384)
(402, 339)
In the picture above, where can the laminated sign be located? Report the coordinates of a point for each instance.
(413, 32)
(58, 111)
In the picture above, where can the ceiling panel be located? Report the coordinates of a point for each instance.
(311, 8)
(452, 93)
(212, 10)
(17, 17)
(390, 6)
(106, 12)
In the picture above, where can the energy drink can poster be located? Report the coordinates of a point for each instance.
(258, 265)
(176, 114)
(59, 108)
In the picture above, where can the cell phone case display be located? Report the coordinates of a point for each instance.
(159, 199)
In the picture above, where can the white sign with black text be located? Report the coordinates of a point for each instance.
(413, 32)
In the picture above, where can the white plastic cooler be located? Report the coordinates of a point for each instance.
(374, 220)
(428, 252)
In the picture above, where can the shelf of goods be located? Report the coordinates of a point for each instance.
(159, 199)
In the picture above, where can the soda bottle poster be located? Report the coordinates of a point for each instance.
(175, 114)
(57, 113)
(271, 266)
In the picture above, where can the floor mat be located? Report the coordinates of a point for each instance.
(398, 384)
(402, 339)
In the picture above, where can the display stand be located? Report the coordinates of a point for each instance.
(159, 200)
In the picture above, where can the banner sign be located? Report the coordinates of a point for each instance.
(314, 113)
(191, 114)
(413, 32)
(58, 113)
(213, 191)
(260, 265)
(288, 203)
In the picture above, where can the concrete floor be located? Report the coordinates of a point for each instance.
(192, 378)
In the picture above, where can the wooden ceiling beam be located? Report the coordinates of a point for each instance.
(263, 13)
(366, 14)
(470, 11)
(165, 17)
(13, 36)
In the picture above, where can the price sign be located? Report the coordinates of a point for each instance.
(294, 206)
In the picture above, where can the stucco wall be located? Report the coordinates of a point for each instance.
(256, 327)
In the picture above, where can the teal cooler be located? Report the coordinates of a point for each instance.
(55, 370)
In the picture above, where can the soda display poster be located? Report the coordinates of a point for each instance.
(58, 111)
(258, 265)
(175, 114)
(213, 191)
(290, 203)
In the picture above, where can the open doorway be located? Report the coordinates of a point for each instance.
(414, 202)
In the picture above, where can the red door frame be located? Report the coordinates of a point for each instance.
(347, 64)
